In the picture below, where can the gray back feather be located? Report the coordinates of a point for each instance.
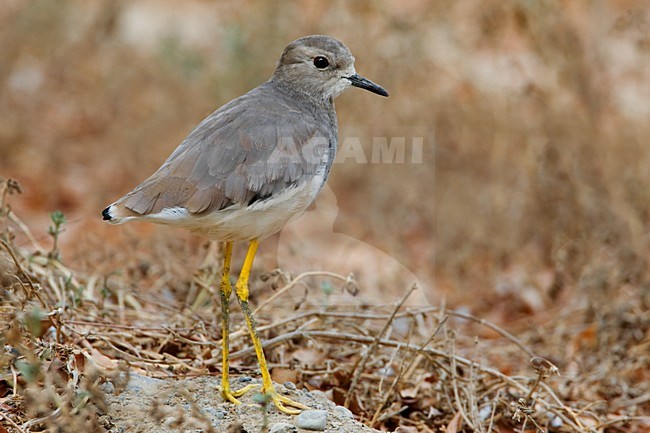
(250, 149)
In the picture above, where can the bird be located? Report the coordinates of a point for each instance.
(249, 168)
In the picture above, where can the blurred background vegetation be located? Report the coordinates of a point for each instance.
(530, 209)
(536, 166)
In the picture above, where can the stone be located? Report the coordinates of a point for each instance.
(315, 420)
(283, 427)
(343, 412)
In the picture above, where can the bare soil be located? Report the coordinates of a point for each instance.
(194, 405)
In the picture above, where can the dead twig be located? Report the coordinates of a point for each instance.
(510, 381)
(11, 423)
(292, 283)
(454, 383)
(34, 291)
(359, 368)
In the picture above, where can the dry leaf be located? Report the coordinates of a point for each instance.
(309, 356)
(454, 424)
(99, 359)
(282, 375)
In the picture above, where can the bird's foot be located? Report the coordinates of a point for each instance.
(286, 405)
(231, 395)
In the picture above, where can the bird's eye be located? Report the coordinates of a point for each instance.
(321, 62)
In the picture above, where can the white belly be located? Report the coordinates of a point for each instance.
(257, 221)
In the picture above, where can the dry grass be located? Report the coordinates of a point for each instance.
(530, 211)
(64, 334)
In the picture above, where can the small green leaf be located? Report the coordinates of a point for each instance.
(58, 218)
(327, 288)
(28, 371)
(32, 321)
(260, 398)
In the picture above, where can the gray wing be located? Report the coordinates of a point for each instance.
(248, 150)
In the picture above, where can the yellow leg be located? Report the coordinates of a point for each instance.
(241, 288)
(226, 290)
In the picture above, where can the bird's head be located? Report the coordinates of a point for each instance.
(321, 67)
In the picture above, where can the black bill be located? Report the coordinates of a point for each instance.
(364, 83)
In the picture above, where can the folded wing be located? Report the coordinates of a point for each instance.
(248, 150)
